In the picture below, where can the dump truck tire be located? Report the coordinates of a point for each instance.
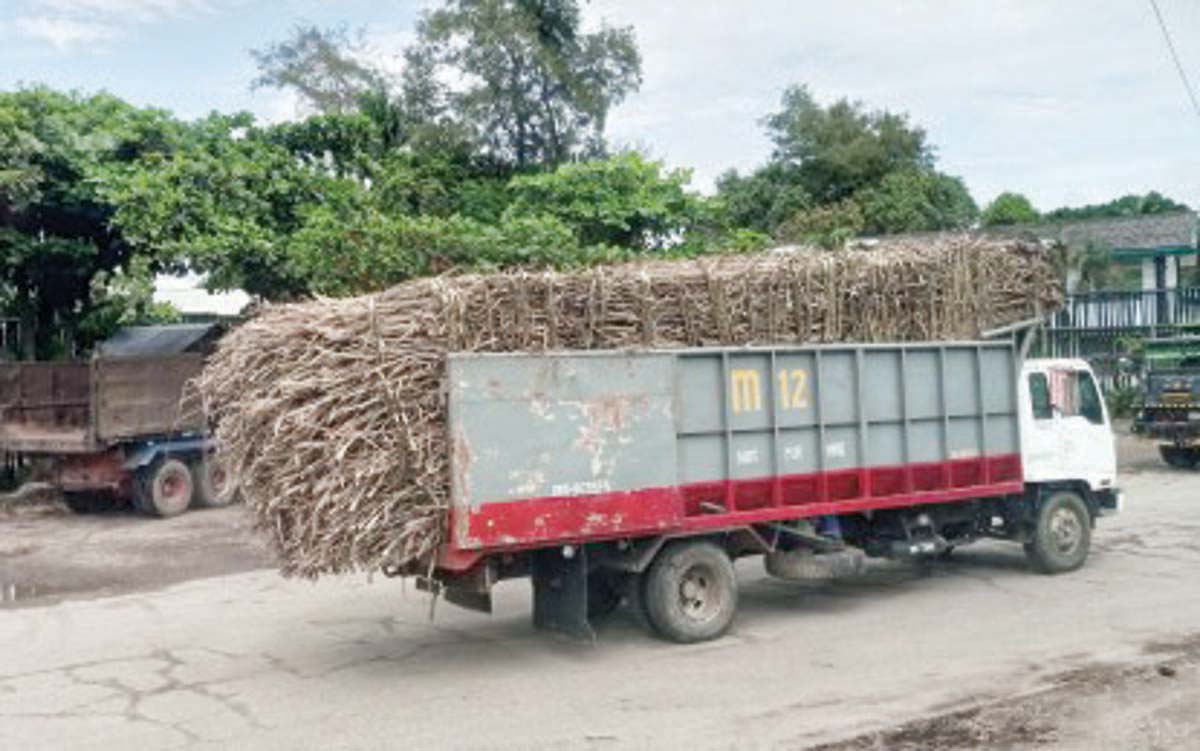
(691, 592)
(164, 488)
(1063, 535)
(212, 489)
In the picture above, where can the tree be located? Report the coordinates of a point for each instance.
(1008, 209)
(228, 203)
(622, 201)
(1128, 205)
(534, 88)
(57, 237)
(916, 200)
(764, 199)
(843, 148)
(321, 66)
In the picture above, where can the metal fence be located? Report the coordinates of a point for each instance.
(1103, 327)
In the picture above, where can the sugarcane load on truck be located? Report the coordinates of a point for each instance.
(623, 434)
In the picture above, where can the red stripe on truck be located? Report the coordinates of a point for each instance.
(538, 522)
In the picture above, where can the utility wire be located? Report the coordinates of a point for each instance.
(1187, 84)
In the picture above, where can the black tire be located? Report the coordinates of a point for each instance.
(1179, 457)
(212, 489)
(164, 488)
(691, 592)
(1063, 534)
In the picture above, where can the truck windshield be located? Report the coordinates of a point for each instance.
(1072, 393)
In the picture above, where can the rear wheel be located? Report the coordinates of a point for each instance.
(1063, 535)
(212, 486)
(691, 592)
(164, 488)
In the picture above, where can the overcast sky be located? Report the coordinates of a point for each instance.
(1069, 101)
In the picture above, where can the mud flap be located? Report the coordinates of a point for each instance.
(560, 592)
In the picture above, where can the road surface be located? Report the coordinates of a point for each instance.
(974, 652)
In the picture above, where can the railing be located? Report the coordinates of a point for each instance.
(1102, 327)
(1129, 310)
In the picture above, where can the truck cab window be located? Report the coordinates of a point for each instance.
(1089, 399)
(1039, 395)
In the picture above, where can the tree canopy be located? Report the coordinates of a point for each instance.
(1008, 209)
(534, 88)
(486, 151)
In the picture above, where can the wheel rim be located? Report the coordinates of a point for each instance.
(174, 491)
(1066, 531)
(699, 596)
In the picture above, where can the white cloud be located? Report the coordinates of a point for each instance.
(70, 23)
(1066, 101)
(135, 10)
(62, 33)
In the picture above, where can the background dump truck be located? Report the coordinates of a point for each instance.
(1170, 400)
(111, 428)
(643, 475)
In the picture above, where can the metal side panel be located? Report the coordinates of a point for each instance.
(557, 429)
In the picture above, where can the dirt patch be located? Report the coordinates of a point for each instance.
(1058, 713)
(49, 556)
(32, 499)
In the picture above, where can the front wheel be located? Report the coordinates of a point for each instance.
(1063, 535)
(691, 592)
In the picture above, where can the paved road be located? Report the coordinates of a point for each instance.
(253, 661)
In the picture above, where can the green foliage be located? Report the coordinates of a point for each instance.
(60, 153)
(828, 226)
(622, 201)
(1129, 205)
(321, 66)
(1008, 209)
(843, 148)
(913, 200)
(535, 89)
(764, 199)
(1122, 401)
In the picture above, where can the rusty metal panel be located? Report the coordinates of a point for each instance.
(45, 407)
(559, 426)
(140, 396)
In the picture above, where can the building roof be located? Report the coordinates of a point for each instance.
(167, 339)
(1135, 235)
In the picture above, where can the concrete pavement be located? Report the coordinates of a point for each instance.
(253, 661)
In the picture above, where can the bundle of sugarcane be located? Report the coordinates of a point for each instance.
(330, 415)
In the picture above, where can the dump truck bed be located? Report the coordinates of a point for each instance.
(62, 408)
(556, 448)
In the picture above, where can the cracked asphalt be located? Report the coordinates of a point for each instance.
(251, 661)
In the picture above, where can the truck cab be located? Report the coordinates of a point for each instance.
(1170, 399)
(1066, 437)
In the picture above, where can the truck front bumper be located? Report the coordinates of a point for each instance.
(1109, 501)
(1173, 425)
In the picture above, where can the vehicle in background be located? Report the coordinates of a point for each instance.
(1169, 409)
(111, 428)
(642, 476)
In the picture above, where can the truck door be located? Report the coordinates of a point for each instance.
(1068, 437)
(1085, 438)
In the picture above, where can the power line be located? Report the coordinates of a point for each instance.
(1187, 84)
